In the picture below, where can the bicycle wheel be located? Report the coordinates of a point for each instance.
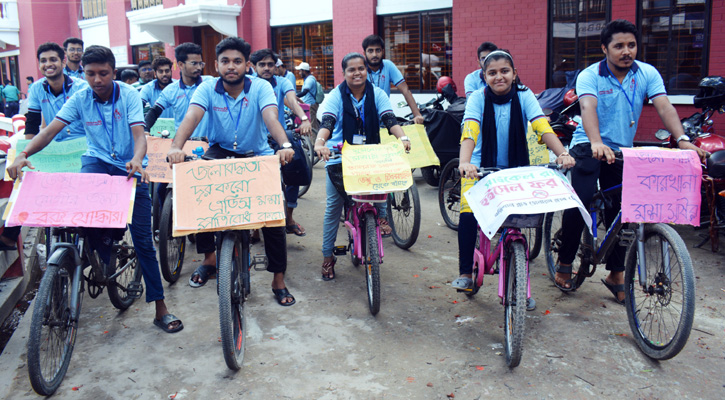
(404, 216)
(171, 249)
(533, 239)
(551, 241)
(121, 289)
(431, 175)
(372, 263)
(230, 281)
(515, 303)
(156, 210)
(449, 194)
(314, 157)
(308, 148)
(660, 310)
(52, 330)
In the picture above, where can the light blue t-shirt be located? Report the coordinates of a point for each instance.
(333, 106)
(616, 109)
(107, 125)
(150, 92)
(387, 73)
(474, 81)
(281, 87)
(475, 104)
(176, 96)
(311, 86)
(80, 74)
(237, 120)
(291, 77)
(42, 100)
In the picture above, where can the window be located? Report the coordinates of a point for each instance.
(148, 52)
(139, 4)
(420, 45)
(574, 37)
(310, 43)
(94, 8)
(674, 36)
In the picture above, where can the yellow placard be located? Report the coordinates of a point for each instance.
(421, 152)
(375, 168)
(538, 153)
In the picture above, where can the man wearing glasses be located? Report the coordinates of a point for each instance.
(145, 73)
(74, 50)
(474, 80)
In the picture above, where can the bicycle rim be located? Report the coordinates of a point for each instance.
(123, 254)
(404, 216)
(449, 194)
(372, 263)
(231, 300)
(515, 303)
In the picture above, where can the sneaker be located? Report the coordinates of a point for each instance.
(462, 284)
(530, 304)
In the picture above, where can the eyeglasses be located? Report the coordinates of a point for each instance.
(146, 69)
(195, 63)
(74, 50)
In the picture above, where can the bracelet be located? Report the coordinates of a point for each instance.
(24, 152)
(319, 138)
(563, 154)
(404, 139)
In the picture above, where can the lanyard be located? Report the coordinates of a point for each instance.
(379, 75)
(103, 119)
(236, 123)
(360, 111)
(51, 99)
(634, 91)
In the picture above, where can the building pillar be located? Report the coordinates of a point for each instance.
(260, 35)
(352, 21)
(118, 28)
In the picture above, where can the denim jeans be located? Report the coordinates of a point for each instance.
(333, 210)
(291, 193)
(140, 228)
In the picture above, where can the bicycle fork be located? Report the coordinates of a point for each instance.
(642, 260)
(77, 282)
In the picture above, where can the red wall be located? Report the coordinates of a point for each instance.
(118, 25)
(352, 21)
(261, 33)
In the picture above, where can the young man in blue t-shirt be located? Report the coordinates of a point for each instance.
(111, 115)
(151, 92)
(226, 101)
(73, 50)
(475, 80)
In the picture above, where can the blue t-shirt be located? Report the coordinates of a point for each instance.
(237, 120)
(291, 77)
(333, 106)
(387, 73)
(176, 96)
(281, 87)
(42, 100)
(150, 92)
(616, 109)
(80, 74)
(473, 82)
(107, 125)
(311, 86)
(530, 109)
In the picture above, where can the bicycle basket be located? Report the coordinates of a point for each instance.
(370, 198)
(523, 221)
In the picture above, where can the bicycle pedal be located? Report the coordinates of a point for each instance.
(627, 237)
(339, 250)
(134, 290)
(259, 259)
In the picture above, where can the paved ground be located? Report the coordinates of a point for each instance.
(427, 342)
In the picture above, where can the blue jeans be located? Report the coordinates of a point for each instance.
(333, 210)
(290, 195)
(140, 227)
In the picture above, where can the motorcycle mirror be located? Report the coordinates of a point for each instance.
(662, 134)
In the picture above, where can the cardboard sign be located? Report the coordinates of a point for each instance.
(62, 156)
(538, 153)
(525, 190)
(71, 199)
(156, 151)
(227, 194)
(421, 152)
(163, 124)
(661, 185)
(375, 168)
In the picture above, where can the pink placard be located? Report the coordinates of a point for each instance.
(661, 185)
(72, 199)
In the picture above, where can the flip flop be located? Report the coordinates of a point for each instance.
(615, 289)
(385, 229)
(166, 320)
(281, 294)
(571, 281)
(328, 267)
(296, 229)
(203, 272)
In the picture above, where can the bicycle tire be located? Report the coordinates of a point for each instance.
(400, 205)
(171, 249)
(308, 148)
(372, 263)
(515, 303)
(449, 194)
(123, 253)
(533, 239)
(51, 312)
(431, 175)
(645, 306)
(156, 211)
(551, 242)
(230, 282)
(315, 158)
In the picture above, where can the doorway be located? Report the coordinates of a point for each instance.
(208, 39)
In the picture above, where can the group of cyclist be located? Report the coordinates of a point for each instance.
(237, 111)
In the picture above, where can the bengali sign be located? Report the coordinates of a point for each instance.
(661, 185)
(163, 124)
(71, 199)
(525, 190)
(62, 156)
(421, 152)
(227, 194)
(538, 153)
(375, 168)
(157, 149)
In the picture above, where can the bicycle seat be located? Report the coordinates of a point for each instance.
(716, 164)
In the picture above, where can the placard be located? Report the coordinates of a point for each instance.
(162, 124)
(421, 152)
(525, 190)
(538, 153)
(71, 200)
(62, 156)
(157, 148)
(661, 185)
(240, 193)
(375, 168)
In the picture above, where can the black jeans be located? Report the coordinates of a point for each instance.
(275, 239)
(584, 177)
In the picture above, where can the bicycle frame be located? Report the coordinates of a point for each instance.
(352, 223)
(486, 259)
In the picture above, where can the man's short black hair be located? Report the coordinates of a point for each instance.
(51, 46)
(486, 46)
(98, 55)
(142, 63)
(373, 40)
(234, 43)
(183, 50)
(160, 62)
(30, 78)
(352, 56)
(72, 40)
(617, 26)
(127, 74)
(260, 55)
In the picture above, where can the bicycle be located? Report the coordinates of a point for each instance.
(404, 216)
(57, 308)
(659, 278)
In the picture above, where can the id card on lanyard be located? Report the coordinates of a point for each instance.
(359, 136)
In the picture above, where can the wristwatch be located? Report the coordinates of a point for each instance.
(287, 145)
(683, 137)
(304, 118)
(404, 139)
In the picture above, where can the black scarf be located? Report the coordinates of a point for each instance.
(518, 148)
(351, 122)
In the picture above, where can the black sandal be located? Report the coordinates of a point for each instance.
(565, 269)
(329, 268)
(203, 272)
(615, 289)
(282, 294)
